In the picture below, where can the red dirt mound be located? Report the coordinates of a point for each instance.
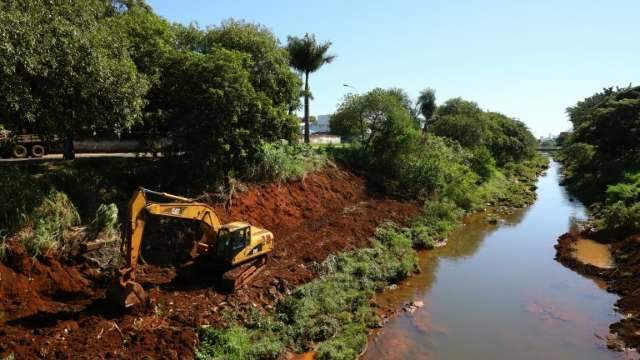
(29, 286)
(62, 314)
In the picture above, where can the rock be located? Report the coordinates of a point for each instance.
(418, 303)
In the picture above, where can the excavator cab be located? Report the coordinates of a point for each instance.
(232, 240)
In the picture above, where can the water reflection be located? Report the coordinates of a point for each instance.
(495, 292)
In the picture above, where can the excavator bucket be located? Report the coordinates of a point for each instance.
(125, 294)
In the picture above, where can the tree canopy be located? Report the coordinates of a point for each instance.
(65, 68)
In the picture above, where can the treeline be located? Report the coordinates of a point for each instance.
(74, 68)
(601, 156)
(424, 150)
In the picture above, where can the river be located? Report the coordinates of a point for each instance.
(496, 292)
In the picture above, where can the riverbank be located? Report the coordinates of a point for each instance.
(621, 279)
(50, 307)
(333, 234)
(496, 292)
(331, 315)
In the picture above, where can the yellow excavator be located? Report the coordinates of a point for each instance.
(238, 247)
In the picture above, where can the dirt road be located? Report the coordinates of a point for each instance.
(51, 157)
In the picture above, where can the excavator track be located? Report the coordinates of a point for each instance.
(242, 274)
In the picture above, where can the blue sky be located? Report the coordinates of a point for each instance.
(527, 59)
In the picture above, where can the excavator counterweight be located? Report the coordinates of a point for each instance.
(239, 247)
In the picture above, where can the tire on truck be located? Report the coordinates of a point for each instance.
(38, 151)
(19, 151)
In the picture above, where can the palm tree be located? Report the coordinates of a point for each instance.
(306, 55)
(427, 105)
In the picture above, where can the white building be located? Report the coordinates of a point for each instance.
(321, 125)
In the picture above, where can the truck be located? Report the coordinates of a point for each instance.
(25, 145)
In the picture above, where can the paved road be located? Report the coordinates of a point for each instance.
(78, 156)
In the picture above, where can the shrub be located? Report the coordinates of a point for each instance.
(230, 344)
(627, 191)
(482, 163)
(620, 217)
(439, 217)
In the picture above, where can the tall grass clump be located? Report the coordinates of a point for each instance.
(3, 245)
(52, 221)
(105, 222)
(281, 161)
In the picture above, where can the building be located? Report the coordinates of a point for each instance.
(320, 125)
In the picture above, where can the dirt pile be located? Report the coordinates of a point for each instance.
(623, 280)
(60, 312)
(29, 286)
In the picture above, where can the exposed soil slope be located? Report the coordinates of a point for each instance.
(624, 280)
(51, 310)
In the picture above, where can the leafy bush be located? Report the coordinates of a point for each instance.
(237, 342)
(627, 191)
(283, 162)
(439, 217)
(621, 218)
(482, 163)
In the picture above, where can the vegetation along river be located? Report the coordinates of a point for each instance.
(496, 292)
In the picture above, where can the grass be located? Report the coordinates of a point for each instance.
(52, 221)
(105, 222)
(285, 162)
(332, 313)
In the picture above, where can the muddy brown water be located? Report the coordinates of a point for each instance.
(496, 292)
(593, 253)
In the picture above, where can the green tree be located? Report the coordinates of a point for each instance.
(307, 56)
(367, 115)
(459, 106)
(603, 145)
(270, 73)
(507, 139)
(217, 119)
(65, 69)
(427, 106)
